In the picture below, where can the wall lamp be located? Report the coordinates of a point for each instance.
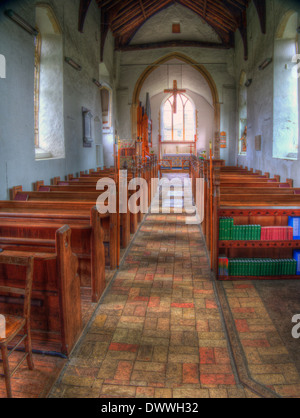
(265, 64)
(21, 22)
(97, 83)
(73, 63)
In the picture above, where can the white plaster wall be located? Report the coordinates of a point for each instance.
(261, 92)
(228, 123)
(187, 78)
(17, 155)
(192, 27)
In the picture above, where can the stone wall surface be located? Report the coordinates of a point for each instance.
(120, 72)
(17, 153)
(261, 91)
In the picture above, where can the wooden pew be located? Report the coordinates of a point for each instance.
(236, 188)
(92, 180)
(259, 191)
(68, 213)
(68, 196)
(56, 306)
(87, 243)
(274, 198)
(80, 188)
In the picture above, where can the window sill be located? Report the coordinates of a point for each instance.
(285, 158)
(49, 159)
(41, 155)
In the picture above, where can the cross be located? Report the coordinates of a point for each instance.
(175, 91)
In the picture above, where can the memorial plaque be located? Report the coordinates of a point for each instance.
(258, 143)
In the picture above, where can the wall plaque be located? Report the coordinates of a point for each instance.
(258, 143)
(87, 128)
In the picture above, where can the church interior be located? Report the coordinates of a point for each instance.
(189, 110)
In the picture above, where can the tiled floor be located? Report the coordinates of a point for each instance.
(38, 383)
(268, 354)
(159, 331)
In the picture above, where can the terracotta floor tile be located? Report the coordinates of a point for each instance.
(165, 335)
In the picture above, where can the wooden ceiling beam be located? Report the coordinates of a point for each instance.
(150, 8)
(103, 31)
(125, 14)
(241, 5)
(116, 11)
(214, 10)
(125, 17)
(204, 8)
(135, 20)
(211, 16)
(261, 8)
(104, 3)
(170, 44)
(219, 10)
(236, 12)
(83, 9)
(244, 33)
(143, 10)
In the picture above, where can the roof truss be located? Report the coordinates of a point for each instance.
(125, 17)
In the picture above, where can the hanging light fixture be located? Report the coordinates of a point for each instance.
(21, 22)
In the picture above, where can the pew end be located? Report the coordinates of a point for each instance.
(69, 285)
(16, 194)
(55, 181)
(38, 184)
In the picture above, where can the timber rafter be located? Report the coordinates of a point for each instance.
(125, 17)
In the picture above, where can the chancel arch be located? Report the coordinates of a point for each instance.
(199, 87)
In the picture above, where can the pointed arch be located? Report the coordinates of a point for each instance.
(282, 29)
(187, 60)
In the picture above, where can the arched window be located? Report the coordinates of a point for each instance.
(2, 66)
(37, 70)
(106, 103)
(286, 96)
(180, 125)
(48, 86)
(243, 114)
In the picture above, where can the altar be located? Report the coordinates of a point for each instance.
(176, 161)
(180, 160)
